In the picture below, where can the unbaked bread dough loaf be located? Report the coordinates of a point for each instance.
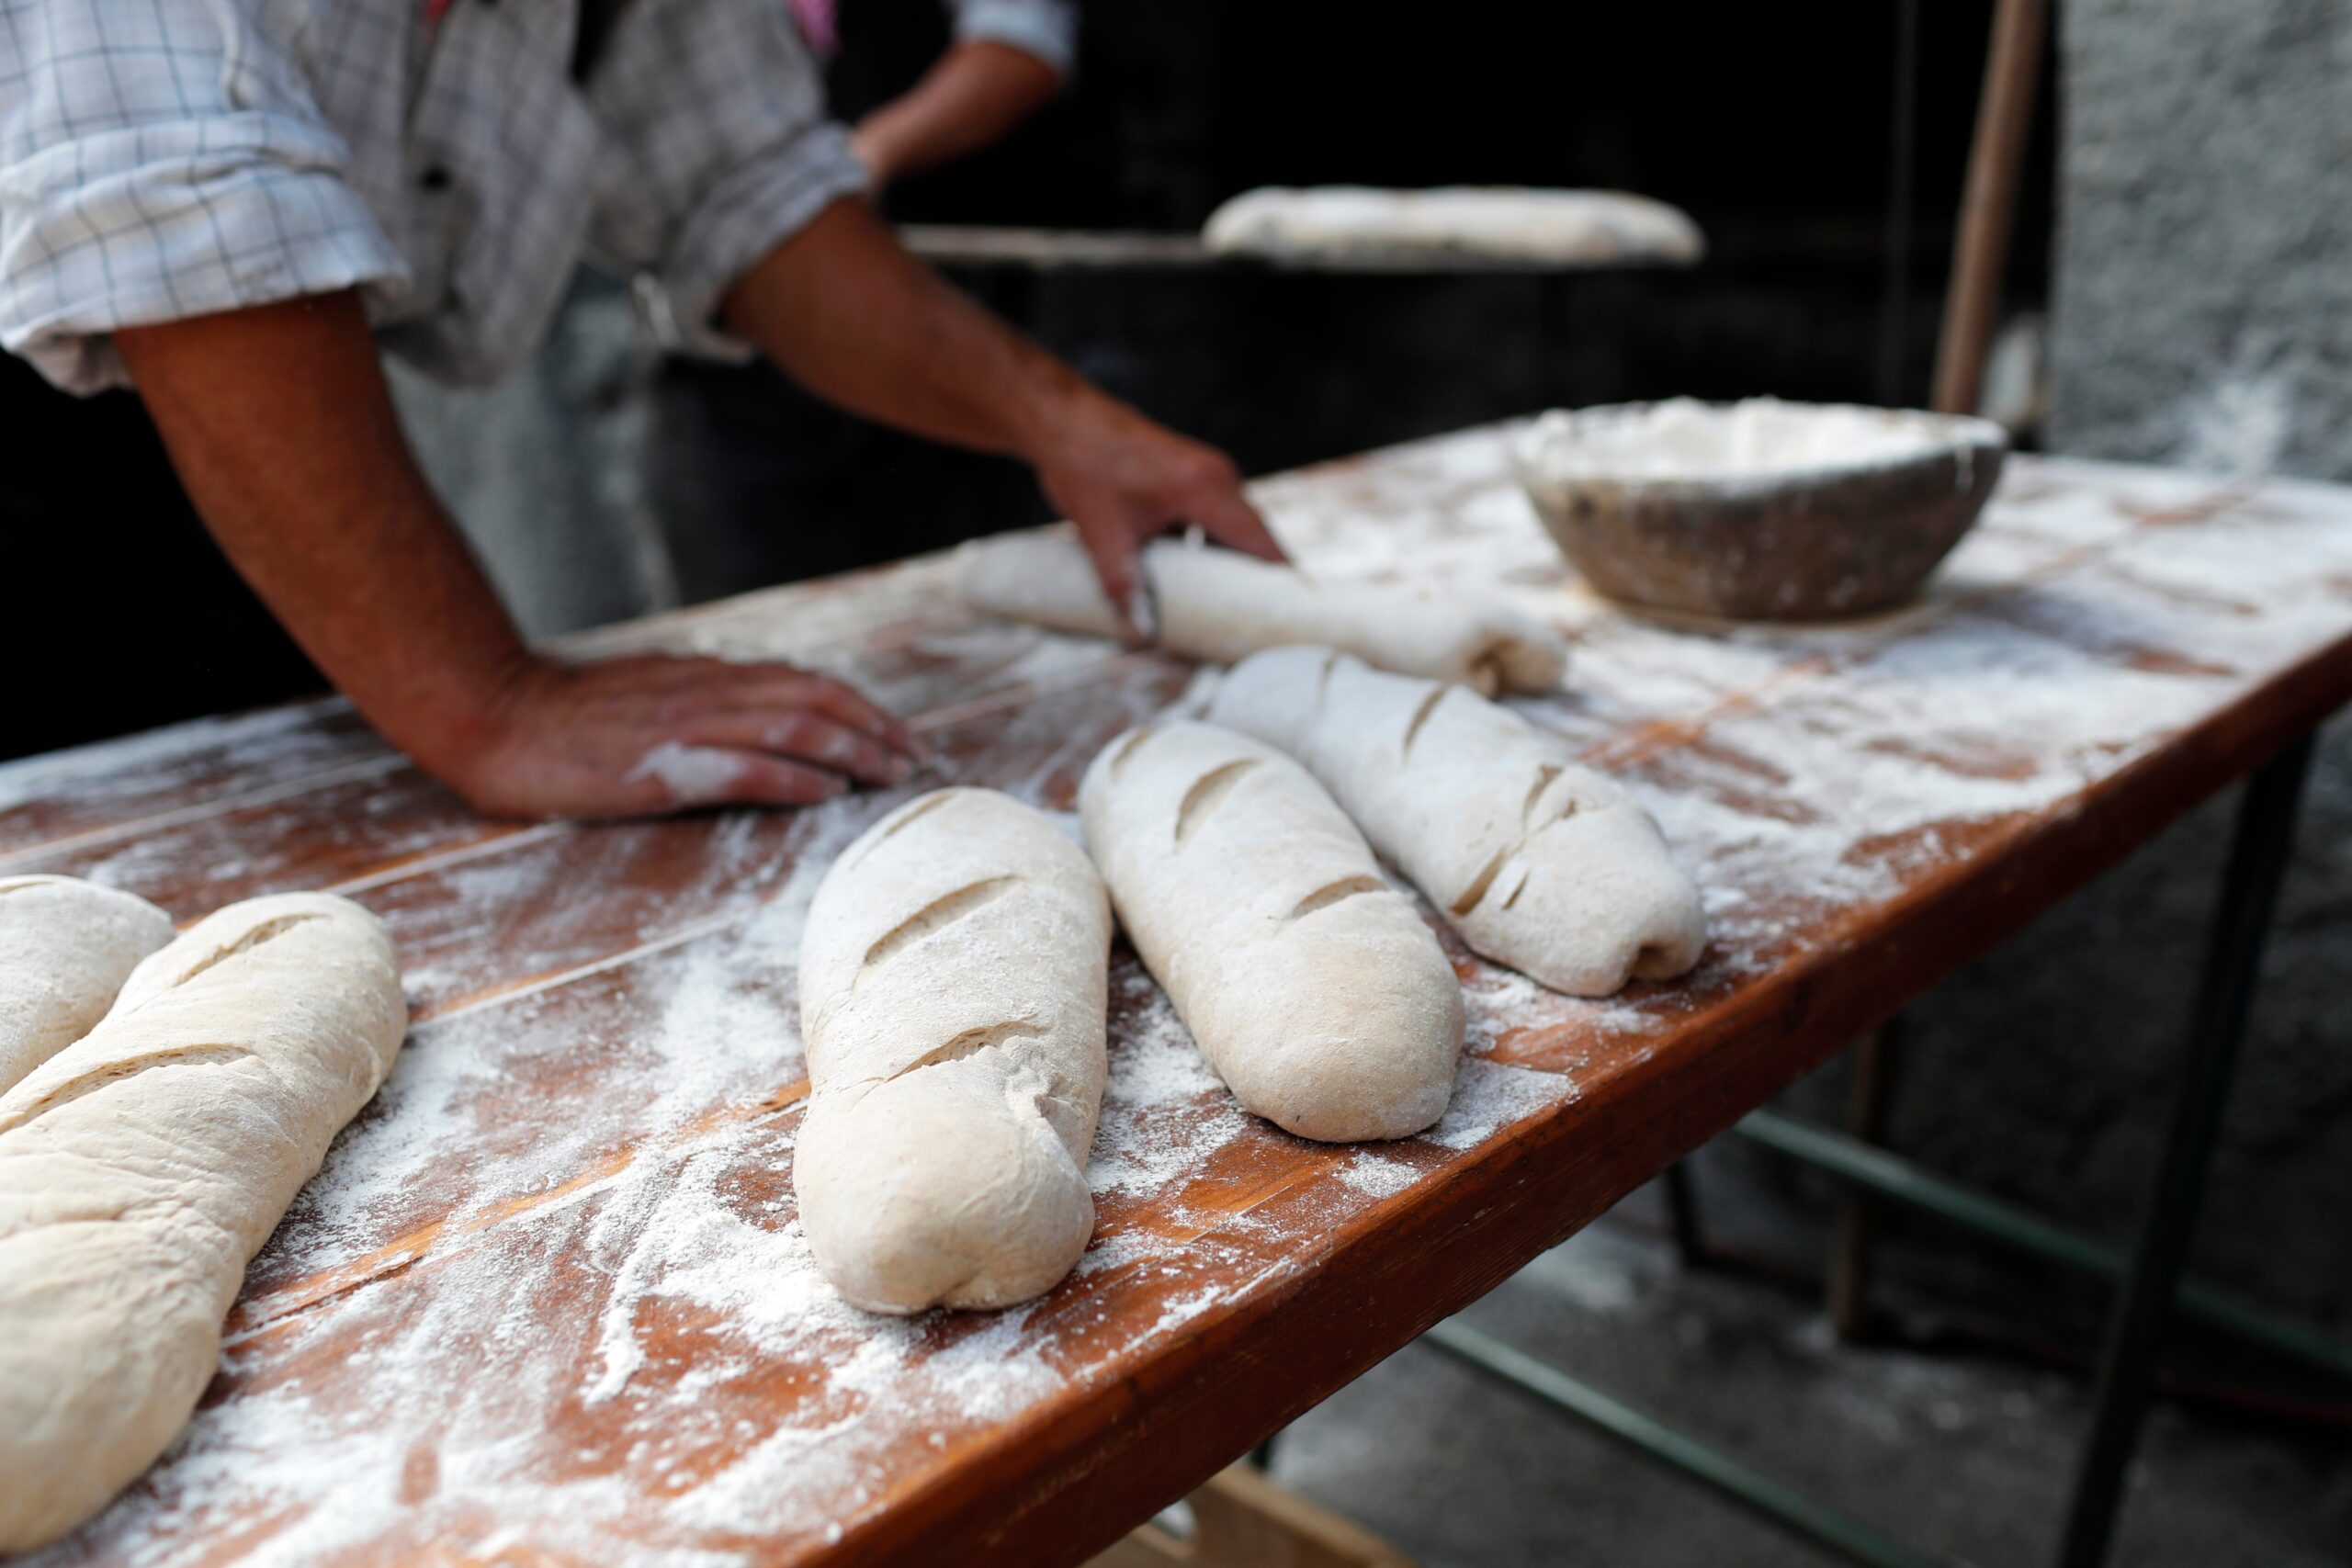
(1541, 864)
(1314, 988)
(1220, 605)
(65, 948)
(1362, 226)
(953, 987)
(142, 1166)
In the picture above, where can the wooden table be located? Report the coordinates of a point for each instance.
(547, 1302)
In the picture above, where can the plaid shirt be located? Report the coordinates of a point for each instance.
(161, 159)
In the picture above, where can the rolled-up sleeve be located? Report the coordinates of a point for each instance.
(1045, 29)
(158, 160)
(719, 117)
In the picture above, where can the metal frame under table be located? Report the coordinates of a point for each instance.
(2151, 1277)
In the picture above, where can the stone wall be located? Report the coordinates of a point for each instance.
(2203, 315)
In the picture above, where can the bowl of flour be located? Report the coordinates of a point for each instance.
(1758, 510)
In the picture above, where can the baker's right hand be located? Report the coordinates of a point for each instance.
(649, 733)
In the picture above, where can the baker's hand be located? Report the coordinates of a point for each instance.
(1123, 479)
(648, 734)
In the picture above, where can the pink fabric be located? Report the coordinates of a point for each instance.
(819, 24)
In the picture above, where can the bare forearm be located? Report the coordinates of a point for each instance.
(846, 311)
(280, 425)
(843, 309)
(970, 100)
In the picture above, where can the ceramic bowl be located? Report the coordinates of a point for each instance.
(1761, 510)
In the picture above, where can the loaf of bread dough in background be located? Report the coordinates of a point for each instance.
(65, 949)
(1221, 607)
(142, 1166)
(954, 978)
(1539, 863)
(1367, 226)
(1314, 988)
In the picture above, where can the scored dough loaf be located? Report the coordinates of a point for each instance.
(953, 978)
(1541, 864)
(1221, 607)
(142, 1166)
(1314, 988)
(65, 948)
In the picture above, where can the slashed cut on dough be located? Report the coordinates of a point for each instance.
(953, 978)
(66, 946)
(1541, 865)
(142, 1167)
(1314, 988)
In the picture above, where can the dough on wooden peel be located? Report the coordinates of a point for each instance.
(953, 978)
(1541, 864)
(142, 1166)
(65, 949)
(1220, 605)
(1314, 988)
(1510, 224)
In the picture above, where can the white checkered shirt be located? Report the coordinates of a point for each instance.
(1047, 28)
(161, 159)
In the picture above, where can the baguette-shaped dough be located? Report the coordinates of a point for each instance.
(65, 949)
(1541, 864)
(1223, 606)
(141, 1166)
(1510, 224)
(954, 978)
(1314, 988)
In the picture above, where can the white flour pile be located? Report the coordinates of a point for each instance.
(1685, 439)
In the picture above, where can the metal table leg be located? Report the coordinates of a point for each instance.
(2258, 855)
(1846, 1538)
(1682, 1213)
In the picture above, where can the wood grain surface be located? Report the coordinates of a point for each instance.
(549, 1301)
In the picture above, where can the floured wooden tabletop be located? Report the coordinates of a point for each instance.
(548, 1303)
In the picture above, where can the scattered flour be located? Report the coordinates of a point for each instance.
(559, 1256)
(1490, 1096)
(1164, 1110)
(689, 772)
(1376, 1175)
(1759, 437)
(270, 741)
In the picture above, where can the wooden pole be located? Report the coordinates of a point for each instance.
(1988, 207)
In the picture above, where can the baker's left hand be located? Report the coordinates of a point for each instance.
(1122, 478)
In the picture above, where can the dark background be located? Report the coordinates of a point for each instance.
(1773, 127)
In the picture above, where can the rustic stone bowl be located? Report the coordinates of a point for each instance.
(1848, 515)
